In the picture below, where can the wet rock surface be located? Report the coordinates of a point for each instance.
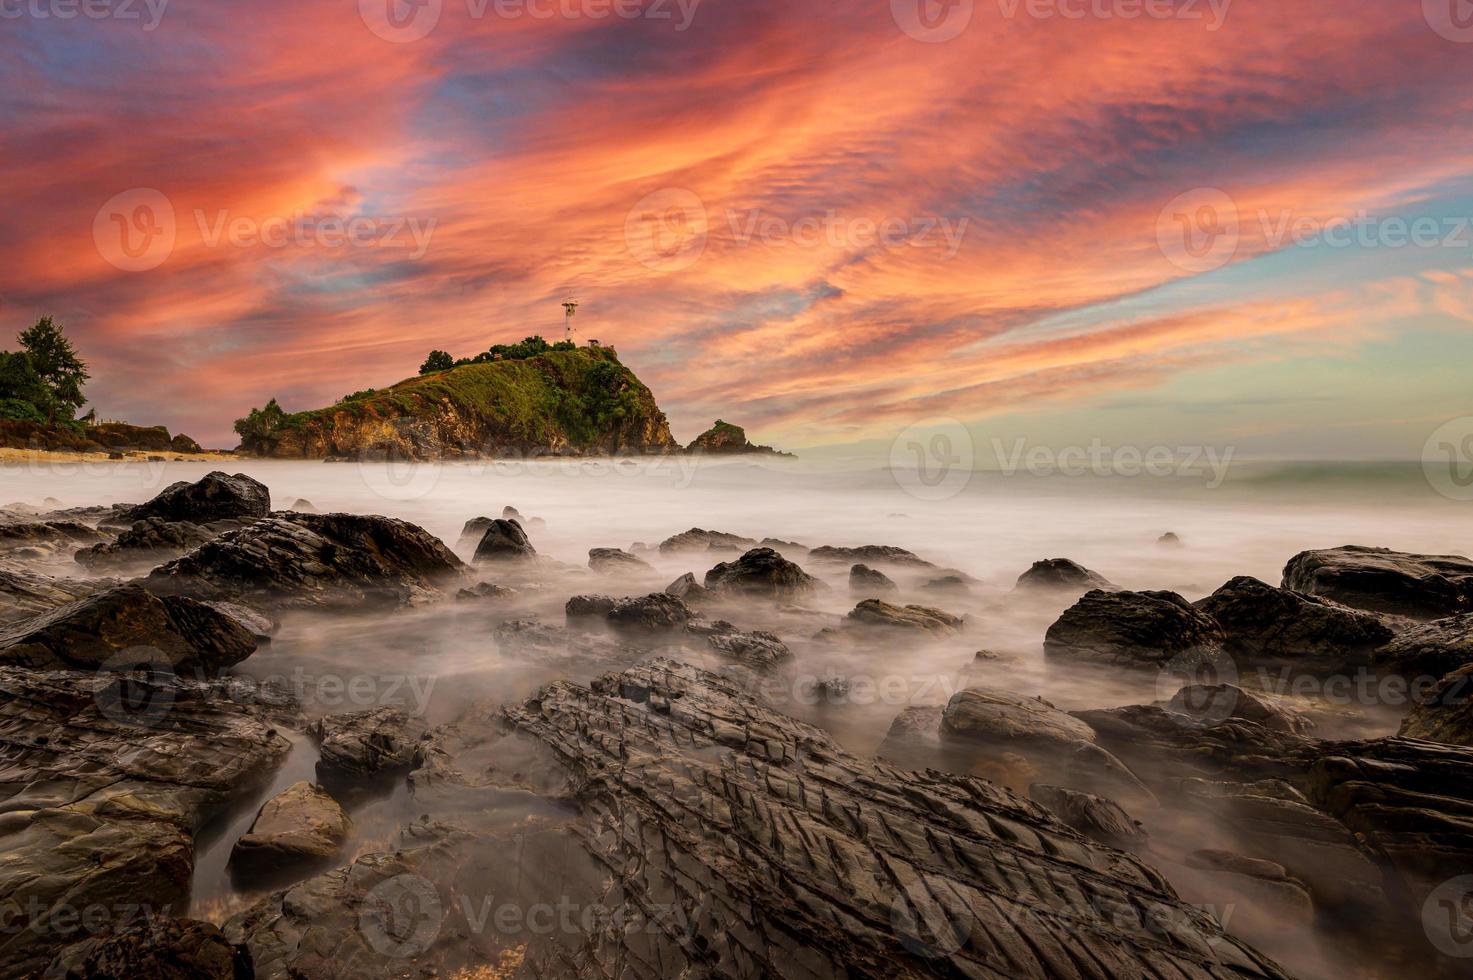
(124, 626)
(1445, 713)
(25, 592)
(1133, 629)
(300, 826)
(1419, 586)
(215, 497)
(1093, 816)
(105, 779)
(659, 610)
(304, 560)
(760, 572)
(1267, 624)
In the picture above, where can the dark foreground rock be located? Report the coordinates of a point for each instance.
(147, 543)
(1419, 586)
(124, 626)
(1142, 629)
(159, 947)
(304, 560)
(105, 780)
(910, 875)
(760, 572)
(1264, 624)
(45, 536)
(659, 610)
(1062, 575)
(214, 497)
(504, 540)
(298, 827)
(1093, 816)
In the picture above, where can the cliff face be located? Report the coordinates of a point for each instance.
(571, 403)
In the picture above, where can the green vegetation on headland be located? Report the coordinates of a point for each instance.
(530, 398)
(41, 392)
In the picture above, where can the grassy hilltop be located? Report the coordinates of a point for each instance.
(582, 401)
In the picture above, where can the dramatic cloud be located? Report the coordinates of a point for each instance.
(799, 216)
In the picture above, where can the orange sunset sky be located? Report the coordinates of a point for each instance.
(824, 221)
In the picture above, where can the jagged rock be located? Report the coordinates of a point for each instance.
(1093, 816)
(1062, 575)
(305, 560)
(1133, 629)
(870, 554)
(147, 543)
(49, 534)
(156, 946)
(485, 590)
(589, 605)
(864, 580)
(759, 650)
(214, 497)
(694, 795)
(697, 539)
(616, 560)
(25, 593)
(1418, 586)
(300, 826)
(360, 745)
(124, 626)
(1429, 650)
(1263, 623)
(105, 779)
(760, 572)
(504, 541)
(877, 613)
(686, 587)
(658, 610)
(1217, 702)
(1444, 713)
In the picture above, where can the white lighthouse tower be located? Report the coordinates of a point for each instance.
(569, 308)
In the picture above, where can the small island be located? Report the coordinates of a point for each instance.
(723, 438)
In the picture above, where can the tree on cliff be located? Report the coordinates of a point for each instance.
(260, 423)
(437, 361)
(56, 364)
(23, 396)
